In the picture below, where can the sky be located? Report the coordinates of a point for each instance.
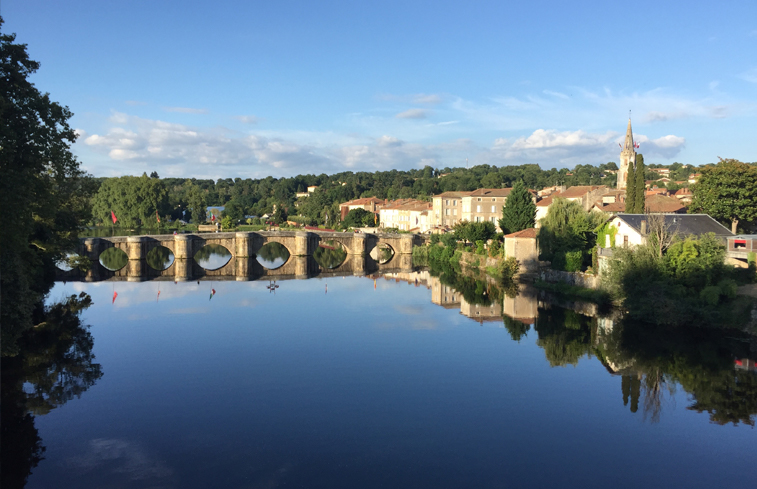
(251, 89)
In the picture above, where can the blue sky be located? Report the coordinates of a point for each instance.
(251, 89)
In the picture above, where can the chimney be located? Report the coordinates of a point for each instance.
(643, 227)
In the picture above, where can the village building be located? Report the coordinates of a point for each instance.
(485, 204)
(523, 247)
(627, 158)
(370, 204)
(654, 204)
(586, 195)
(684, 195)
(448, 208)
(632, 229)
(407, 215)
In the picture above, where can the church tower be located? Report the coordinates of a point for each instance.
(627, 158)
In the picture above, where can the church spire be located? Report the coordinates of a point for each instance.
(629, 146)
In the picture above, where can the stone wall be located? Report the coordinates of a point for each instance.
(577, 279)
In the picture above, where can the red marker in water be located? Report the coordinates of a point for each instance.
(115, 294)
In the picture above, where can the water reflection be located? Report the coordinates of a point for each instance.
(114, 259)
(714, 367)
(160, 258)
(330, 254)
(273, 255)
(55, 363)
(212, 257)
(382, 253)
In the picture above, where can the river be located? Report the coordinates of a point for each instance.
(397, 380)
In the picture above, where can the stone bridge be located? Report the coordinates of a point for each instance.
(244, 246)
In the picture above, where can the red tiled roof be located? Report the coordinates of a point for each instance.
(491, 192)
(661, 203)
(579, 191)
(547, 201)
(612, 207)
(363, 201)
(526, 233)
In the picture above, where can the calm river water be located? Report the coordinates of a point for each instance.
(394, 381)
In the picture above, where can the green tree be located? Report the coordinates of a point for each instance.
(565, 229)
(519, 211)
(639, 186)
(42, 187)
(196, 203)
(727, 192)
(631, 189)
(134, 200)
(357, 218)
(233, 210)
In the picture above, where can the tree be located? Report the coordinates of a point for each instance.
(631, 189)
(475, 231)
(134, 200)
(639, 186)
(566, 229)
(727, 192)
(519, 211)
(196, 203)
(234, 211)
(357, 218)
(42, 187)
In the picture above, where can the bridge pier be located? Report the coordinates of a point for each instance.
(243, 245)
(406, 244)
(358, 245)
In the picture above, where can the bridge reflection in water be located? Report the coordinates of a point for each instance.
(243, 248)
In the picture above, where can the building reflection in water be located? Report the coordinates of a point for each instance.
(716, 368)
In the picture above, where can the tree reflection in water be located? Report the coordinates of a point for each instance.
(114, 259)
(54, 364)
(652, 362)
(273, 255)
(382, 253)
(160, 258)
(330, 254)
(212, 256)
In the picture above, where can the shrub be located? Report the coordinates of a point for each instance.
(480, 247)
(449, 240)
(508, 268)
(574, 261)
(494, 249)
(435, 239)
(710, 295)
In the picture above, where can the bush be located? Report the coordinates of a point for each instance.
(435, 239)
(480, 247)
(494, 249)
(449, 240)
(574, 261)
(710, 295)
(508, 268)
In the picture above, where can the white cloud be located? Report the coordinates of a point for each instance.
(750, 75)
(413, 114)
(247, 119)
(423, 98)
(417, 98)
(556, 94)
(185, 110)
(568, 148)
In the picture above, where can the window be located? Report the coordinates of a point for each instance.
(478, 218)
(479, 199)
(446, 212)
(494, 208)
(625, 240)
(446, 202)
(478, 208)
(494, 199)
(494, 220)
(454, 212)
(454, 202)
